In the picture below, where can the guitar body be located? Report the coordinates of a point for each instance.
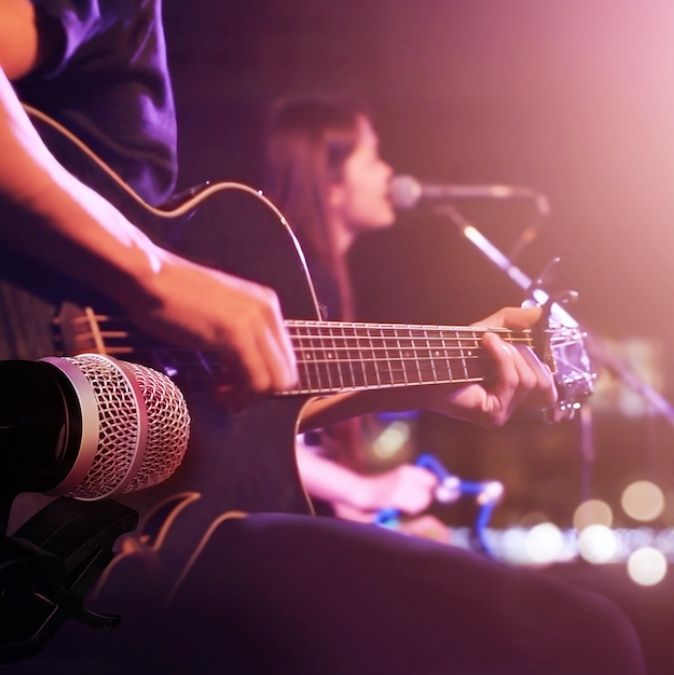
(237, 460)
(240, 460)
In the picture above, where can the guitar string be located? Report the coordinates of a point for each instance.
(301, 349)
(404, 360)
(420, 359)
(407, 362)
(300, 330)
(425, 374)
(437, 359)
(461, 342)
(298, 324)
(420, 374)
(514, 338)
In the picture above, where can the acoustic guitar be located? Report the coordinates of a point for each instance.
(243, 460)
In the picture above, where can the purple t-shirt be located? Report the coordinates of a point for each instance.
(107, 81)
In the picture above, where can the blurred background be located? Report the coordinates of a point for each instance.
(575, 99)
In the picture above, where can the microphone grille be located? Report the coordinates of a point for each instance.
(143, 427)
(404, 192)
(168, 428)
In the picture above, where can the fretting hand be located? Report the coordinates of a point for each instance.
(520, 378)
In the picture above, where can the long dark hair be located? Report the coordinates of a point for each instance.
(307, 142)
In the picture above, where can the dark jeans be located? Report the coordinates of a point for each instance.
(280, 594)
(290, 594)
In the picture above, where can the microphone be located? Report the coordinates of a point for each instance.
(406, 192)
(90, 427)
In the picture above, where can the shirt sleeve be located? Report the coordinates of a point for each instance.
(74, 23)
(105, 78)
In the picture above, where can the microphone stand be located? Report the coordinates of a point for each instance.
(596, 348)
(48, 566)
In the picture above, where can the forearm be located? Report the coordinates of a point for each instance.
(327, 480)
(408, 488)
(50, 216)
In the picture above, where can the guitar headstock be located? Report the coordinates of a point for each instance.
(562, 344)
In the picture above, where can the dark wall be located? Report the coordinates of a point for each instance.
(574, 98)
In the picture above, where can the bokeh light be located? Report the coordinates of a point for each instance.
(597, 544)
(643, 501)
(391, 440)
(513, 546)
(532, 519)
(544, 543)
(647, 566)
(592, 512)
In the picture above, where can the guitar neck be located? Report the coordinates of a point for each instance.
(337, 356)
(332, 356)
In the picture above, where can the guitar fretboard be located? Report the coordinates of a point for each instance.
(335, 356)
(332, 356)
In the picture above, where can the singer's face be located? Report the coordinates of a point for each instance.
(362, 194)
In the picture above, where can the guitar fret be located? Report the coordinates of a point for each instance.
(463, 356)
(315, 360)
(376, 368)
(349, 357)
(430, 356)
(415, 356)
(336, 361)
(389, 367)
(325, 359)
(446, 356)
(361, 357)
(322, 370)
(476, 364)
(305, 383)
(408, 359)
(402, 360)
(436, 356)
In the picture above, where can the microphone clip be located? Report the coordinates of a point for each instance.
(48, 566)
